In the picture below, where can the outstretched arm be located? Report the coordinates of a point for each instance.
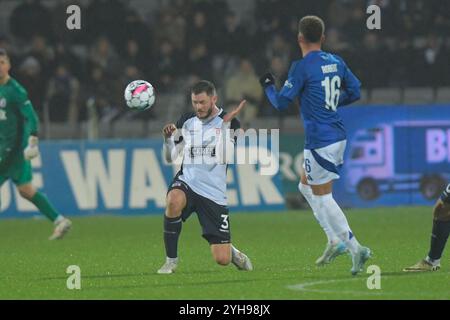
(278, 101)
(225, 146)
(291, 88)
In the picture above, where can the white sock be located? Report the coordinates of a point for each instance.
(327, 206)
(306, 191)
(433, 262)
(172, 260)
(58, 219)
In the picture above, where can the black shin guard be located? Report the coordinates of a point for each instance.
(439, 236)
(172, 230)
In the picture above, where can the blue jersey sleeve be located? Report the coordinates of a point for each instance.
(292, 86)
(351, 88)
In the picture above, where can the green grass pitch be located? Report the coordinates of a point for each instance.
(119, 256)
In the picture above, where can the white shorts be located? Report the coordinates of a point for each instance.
(322, 165)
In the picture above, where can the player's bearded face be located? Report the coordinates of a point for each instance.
(203, 105)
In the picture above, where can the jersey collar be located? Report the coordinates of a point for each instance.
(312, 52)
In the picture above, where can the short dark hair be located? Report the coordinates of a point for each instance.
(311, 28)
(204, 86)
(3, 53)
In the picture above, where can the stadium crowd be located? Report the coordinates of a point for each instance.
(184, 40)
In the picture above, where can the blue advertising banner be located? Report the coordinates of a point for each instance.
(396, 155)
(125, 177)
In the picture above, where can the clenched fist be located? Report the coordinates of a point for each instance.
(168, 130)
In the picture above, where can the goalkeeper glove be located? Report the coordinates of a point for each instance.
(267, 80)
(32, 150)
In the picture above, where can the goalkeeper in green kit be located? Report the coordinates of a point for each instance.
(19, 144)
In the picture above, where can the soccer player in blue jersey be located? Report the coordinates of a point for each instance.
(439, 235)
(322, 82)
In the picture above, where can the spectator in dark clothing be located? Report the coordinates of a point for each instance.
(31, 18)
(103, 55)
(42, 53)
(167, 66)
(62, 96)
(198, 31)
(64, 56)
(232, 32)
(30, 76)
(199, 60)
(106, 17)
(134, 56)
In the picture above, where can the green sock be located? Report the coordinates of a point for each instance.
(44, 206)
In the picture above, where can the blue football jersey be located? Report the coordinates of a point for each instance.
(322, 82)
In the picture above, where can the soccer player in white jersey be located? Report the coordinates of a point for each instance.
(205, 140)
(439, 235)
(322, 82)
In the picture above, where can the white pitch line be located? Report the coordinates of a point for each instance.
(304, 287)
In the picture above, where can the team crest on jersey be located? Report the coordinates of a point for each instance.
(288, 84)
(2, 103)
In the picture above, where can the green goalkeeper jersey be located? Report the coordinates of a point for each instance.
(17, 118)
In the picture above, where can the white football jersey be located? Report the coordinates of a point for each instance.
(200, 169)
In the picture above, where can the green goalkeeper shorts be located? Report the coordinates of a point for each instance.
(17, 169)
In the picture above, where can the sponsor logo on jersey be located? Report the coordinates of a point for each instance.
(2, 103)
(203, 151)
